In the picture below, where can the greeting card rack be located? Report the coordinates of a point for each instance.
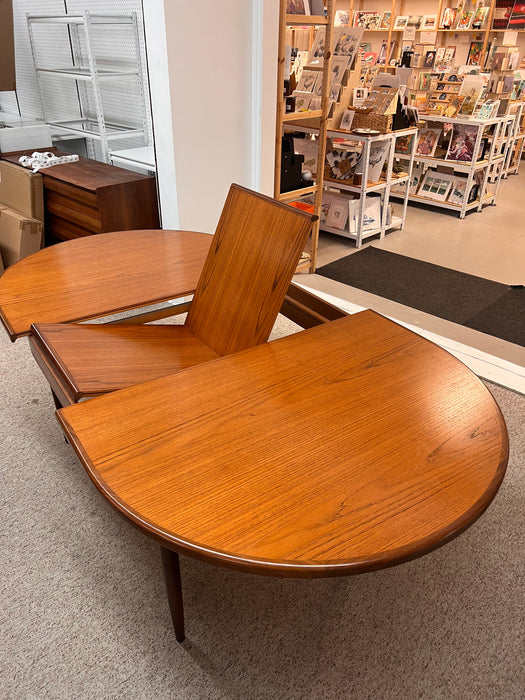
(357, 193)
(438, 179)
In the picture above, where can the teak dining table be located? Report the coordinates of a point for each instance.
(103, 275)
(100, 275)
(341, 449)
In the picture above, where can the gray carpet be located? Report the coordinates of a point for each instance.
(84, 613)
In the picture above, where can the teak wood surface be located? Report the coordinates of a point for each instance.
(248, 269)
(100, 275)
(344, 448)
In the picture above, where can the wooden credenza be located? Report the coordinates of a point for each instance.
(88, 197)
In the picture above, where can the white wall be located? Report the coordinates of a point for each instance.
(223, 122)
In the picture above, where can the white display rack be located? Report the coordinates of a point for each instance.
(367, 188)
(492, 166)
(89, 71)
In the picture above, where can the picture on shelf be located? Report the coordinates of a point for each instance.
(457, 191)
(427, 141)
(448, 20)
(347, 119)
(436, 185)
(414, 21)
(308, 81)
(308, 149)
(376, 160)
(415, 180)
(337, 215)
(424, 81)
(440, 56)
(404, 143)
(462, 143)
(474, 53)
(297, 7)
(464, 20)
(316, 55)
(302, 100)
(386, 19)
(342, 18)
(429, 22)
(471, 95)
(359, 96)
(367, 19)
(449, 54)
(479, 17)
(348, 43)
(401, 22)
(371, 214)
(453, 106)
(430, 58)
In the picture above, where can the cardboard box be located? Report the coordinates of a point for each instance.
(19, 235)
(22, 190)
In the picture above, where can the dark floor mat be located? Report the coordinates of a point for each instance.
(504, 318)
(436, 290)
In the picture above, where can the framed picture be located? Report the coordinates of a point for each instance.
(436, 185)
(424, 81)
(462, 143)
(415, 180)
(401, 22)
(427, 141)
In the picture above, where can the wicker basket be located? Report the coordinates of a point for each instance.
(369, 120)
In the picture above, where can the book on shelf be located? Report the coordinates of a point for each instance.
(297, 7)
(386, 19)
(341, 18)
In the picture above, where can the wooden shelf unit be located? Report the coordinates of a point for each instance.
(320, 116)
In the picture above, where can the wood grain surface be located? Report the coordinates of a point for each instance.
(347, 447)
(100, 275)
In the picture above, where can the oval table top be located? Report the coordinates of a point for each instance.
(99, 275)
(349, 447)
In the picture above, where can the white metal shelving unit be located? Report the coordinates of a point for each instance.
(516, 139)
(90, 72)
(491, 166)
(381, 188)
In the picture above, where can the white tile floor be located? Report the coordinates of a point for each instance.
(489, 244)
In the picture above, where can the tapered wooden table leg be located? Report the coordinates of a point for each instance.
(171, 567)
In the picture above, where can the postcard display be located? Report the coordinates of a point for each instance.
(457, 163)
(358, 180)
